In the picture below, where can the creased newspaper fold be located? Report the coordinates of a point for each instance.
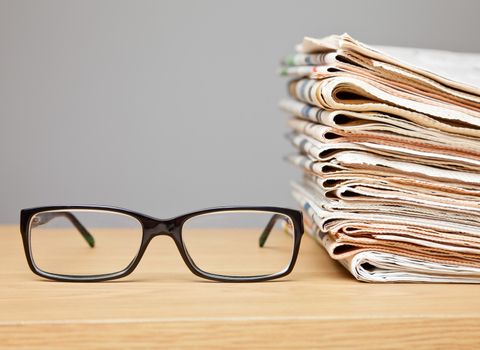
(390, 149)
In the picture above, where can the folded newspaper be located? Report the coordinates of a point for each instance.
(389, 143)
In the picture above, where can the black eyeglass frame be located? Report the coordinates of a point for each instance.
(153, 227)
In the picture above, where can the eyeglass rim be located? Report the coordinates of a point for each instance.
(150, 229)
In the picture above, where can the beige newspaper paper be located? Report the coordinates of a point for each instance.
(388, 140)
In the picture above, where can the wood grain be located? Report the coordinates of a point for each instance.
(163, 305)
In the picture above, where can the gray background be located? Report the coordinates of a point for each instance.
(169, 106)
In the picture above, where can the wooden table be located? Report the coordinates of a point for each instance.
(162, 305)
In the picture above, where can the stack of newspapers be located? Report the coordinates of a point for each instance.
(388, 140)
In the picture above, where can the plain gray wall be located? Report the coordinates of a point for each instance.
(168, 106)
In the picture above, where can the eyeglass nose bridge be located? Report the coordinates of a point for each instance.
(162, 228)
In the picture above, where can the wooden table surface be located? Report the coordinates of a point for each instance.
(163, 305)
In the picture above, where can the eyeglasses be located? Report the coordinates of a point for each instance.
(98, 243)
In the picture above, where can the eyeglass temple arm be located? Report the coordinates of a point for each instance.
(75, 222)
(270, 225)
